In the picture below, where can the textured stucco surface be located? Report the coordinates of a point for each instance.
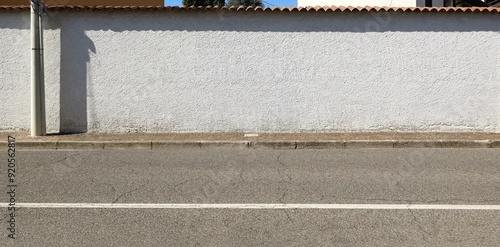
(222, 71)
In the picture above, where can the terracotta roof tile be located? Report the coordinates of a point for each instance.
(266, 9)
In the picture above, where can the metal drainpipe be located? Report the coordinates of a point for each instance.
(38, 127)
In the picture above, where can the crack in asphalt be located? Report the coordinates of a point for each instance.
(287, 215)
(278, 159)
(174, 188)
(44, 165)
(7, 215)
(425, 234)
(61, 160)
(113, 189)
(282, 197)
(28, 172)
(411, 192)
(129, 192)
(93, 182)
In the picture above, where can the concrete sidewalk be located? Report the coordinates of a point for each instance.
(256, 140)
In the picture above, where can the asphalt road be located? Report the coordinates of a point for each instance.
(229, 176)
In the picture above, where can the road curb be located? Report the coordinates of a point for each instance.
(198, 144)
(278, 144)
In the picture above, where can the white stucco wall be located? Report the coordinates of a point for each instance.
(210, 71)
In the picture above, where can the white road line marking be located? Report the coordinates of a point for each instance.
(255, 206)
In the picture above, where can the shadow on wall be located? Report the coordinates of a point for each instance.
(75, 53)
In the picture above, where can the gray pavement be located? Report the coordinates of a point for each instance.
(264, 176)
(153, 227)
